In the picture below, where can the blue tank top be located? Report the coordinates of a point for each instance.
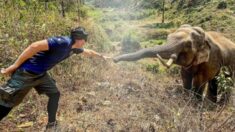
(60, 48)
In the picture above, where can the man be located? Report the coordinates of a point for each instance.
(30, 70)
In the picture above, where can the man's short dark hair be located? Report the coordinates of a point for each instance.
(78, 34)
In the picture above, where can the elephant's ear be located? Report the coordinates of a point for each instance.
(203, 53)
(202, 45)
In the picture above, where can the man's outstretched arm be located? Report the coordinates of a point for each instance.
(30, 51)
(88, 52)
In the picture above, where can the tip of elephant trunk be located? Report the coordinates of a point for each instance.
(169, 63)
(115, 60)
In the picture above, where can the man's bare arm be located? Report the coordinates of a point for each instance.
(88, 52)
(30, 51)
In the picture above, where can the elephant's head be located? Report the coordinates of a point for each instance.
(186, 46)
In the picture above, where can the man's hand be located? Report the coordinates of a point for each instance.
(105, 57)
(9, 70)
(88, 52)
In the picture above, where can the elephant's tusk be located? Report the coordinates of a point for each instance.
(162, 61)
(169, 62)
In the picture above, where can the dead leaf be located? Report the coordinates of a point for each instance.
(26, 124)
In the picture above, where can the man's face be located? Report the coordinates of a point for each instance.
(80, 43)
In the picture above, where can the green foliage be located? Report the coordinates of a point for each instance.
(26, 22)
(32, 23)
(174, 70)
(98, 39)
(130, 43)
(23, 23)
(111, 3)
(225, 82)
(222, 5)
(114, 30)
(152, 43)
(142, 14)
(157, 68)
(183, 4)
(128, 15)
(95, 13)
(151, 4)
(157, 34)
(205, 15)
(83, 11)
(161, 25)
(153, 68)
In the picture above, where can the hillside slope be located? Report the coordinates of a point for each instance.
(104, 96)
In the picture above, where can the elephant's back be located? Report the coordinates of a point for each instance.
(224, 45)
(220, 40)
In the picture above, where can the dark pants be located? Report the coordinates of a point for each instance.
(4, 111)
(20, 84)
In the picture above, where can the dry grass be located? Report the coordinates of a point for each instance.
(102, 96)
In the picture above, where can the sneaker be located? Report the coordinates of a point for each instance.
(52, 126)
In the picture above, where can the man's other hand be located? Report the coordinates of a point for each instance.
(9, 70)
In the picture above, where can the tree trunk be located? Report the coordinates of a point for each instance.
(163, 11)
(181, 4)
(46, 4)
(82, 2)
(6, 2)
(78, 10)
(62, 8)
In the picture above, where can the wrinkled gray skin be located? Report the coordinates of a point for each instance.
(200, 55)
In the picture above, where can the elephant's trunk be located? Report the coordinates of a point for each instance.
(165, 51)
(143, 53)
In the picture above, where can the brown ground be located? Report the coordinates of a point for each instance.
(104, 97)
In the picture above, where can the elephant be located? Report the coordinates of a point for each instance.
(199, 54)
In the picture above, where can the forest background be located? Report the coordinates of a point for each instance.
(99, 95)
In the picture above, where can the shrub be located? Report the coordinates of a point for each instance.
(152, 43)
(222, 5)
(129, 44)
(174, 70)
(98, 38)
(153, 68)
(225, 84)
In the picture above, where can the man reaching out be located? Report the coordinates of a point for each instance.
(30, 70)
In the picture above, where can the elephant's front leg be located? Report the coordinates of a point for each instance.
(212, 90)
(187, 77)
(199, 83)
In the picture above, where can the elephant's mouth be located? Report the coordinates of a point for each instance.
(177, 60)
(185, 64)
